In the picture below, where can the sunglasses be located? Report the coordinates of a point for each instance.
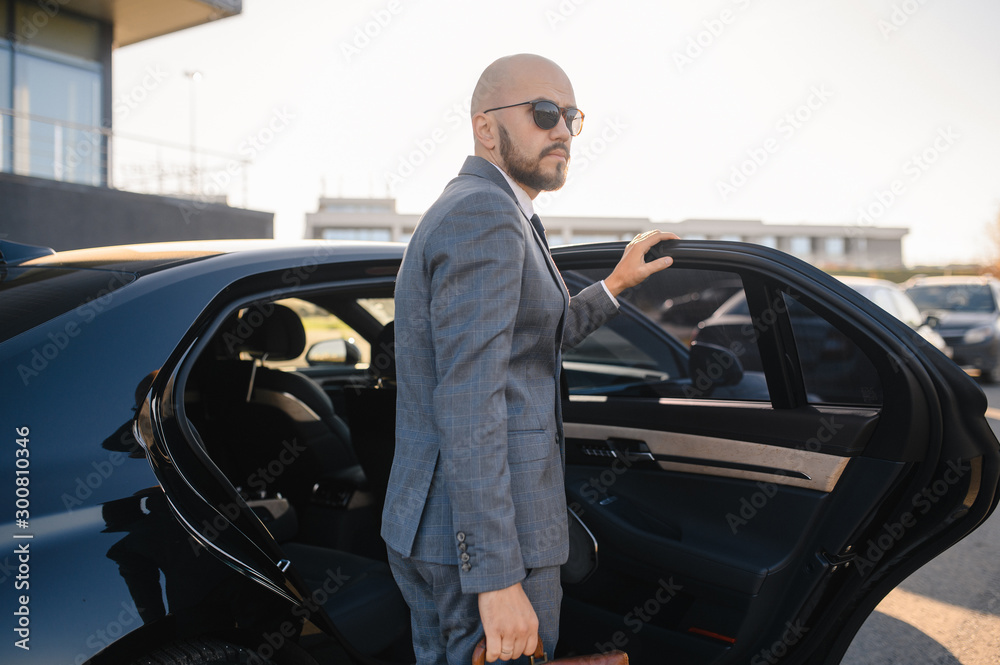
(547, 114)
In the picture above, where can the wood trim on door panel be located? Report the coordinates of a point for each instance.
(728, 458)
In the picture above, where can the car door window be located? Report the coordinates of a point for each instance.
(320, 325)
(834, 369)
(646, 351)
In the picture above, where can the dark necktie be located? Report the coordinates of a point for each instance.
(537, 223)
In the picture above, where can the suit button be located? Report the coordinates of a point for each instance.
(464, 557)
(466, 567)
(462, 547)
(461, 536)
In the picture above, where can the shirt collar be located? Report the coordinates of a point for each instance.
(523, 200)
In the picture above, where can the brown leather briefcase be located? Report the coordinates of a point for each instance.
(608, 658)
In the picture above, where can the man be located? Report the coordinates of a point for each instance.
(475, 515)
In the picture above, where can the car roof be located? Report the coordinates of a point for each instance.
(150, 257)
(944, 280)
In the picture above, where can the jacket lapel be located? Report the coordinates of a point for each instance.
(479, 167)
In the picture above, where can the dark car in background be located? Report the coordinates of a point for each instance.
(820, 343)
(967, 316)
(893, 298)
(198, 437)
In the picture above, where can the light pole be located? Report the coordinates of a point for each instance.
(195, 76)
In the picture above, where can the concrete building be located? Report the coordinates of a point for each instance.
(846, 247)
(57, 144)
(835, 247)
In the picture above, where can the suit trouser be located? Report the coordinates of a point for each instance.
(445, 621)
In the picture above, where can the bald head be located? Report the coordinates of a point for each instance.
(510, 77)
(506, 131)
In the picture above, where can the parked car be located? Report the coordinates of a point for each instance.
(893, 298)
(819, 343)
(681, 314)
(967, 316)
(188, 483)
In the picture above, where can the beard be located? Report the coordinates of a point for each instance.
(527, 172)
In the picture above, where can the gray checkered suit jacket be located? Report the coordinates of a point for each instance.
(481, 317)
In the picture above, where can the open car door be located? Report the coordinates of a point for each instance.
(761, 455)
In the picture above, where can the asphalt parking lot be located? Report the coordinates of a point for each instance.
(948, 612)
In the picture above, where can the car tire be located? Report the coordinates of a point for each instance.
(208, 651)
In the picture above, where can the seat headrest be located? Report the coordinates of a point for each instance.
(274, 330)
(383, 364)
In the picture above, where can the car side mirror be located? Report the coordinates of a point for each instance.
(333, 352)
(711, 366)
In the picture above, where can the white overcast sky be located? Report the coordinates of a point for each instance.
(841, 106)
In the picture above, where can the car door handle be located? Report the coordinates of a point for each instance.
(631, 450)
(637, 456)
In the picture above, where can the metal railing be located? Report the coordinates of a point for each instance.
(44, 147)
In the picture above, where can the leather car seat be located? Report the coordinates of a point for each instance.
(271, 431)
(372, 413)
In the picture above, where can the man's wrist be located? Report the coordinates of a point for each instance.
(612, 289)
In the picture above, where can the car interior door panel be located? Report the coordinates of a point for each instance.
(737, 478)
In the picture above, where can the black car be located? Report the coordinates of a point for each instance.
(836, 368)
(199, 436)
(967, 314)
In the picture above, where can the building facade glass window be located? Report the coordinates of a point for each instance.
(61, 140)
(5, 86)
(357, 234)
(834, 247)
(800, 246)
(55, 96)
(6, 122)
(595, 237)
